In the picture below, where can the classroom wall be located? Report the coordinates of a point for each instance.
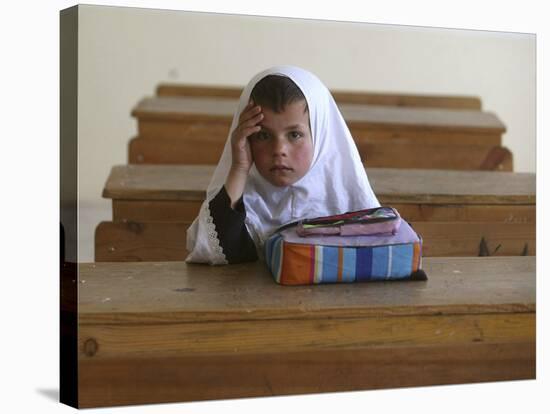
(125, 52)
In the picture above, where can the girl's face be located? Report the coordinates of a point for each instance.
(283, 149)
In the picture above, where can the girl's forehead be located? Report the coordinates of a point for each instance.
(293, 112)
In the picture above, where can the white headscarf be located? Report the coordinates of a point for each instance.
(336, 181)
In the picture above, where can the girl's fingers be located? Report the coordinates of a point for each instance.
(248, 121)
(246, 109)
(243, 132)
(253, 129)
(252, 121)
(249, 113)
(246, 132)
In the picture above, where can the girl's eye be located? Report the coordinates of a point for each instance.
(295, 135)
(262, 136)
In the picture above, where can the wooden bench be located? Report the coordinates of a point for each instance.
(168, 332)
(193, 130)
(153, 205)
(340, 96)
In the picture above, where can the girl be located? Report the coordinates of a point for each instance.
(289, 156)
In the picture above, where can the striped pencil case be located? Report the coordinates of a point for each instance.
(297, 260)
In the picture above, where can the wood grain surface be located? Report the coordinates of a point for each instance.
(189, 182)
(170, 292)
(193, 129)
(212, 109)
(126, 381)
(150, 211)
(166, 332)
(397, 152)
(165, 241)
(340, 96)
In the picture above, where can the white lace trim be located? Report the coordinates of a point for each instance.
(218, 256)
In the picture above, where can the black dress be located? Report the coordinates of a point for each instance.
(235, 241)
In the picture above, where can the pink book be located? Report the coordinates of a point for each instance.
(379, 220)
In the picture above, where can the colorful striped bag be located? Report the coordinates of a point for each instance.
(323, 258)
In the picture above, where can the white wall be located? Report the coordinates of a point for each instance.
(125, 52)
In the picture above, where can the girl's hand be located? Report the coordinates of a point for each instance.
(240, 147)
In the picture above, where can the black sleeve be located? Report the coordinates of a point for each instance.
(234, 239)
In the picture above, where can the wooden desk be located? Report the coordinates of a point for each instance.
(421, 195)
(453, 210)
(167, 332)
(340, 96)
(192, 130)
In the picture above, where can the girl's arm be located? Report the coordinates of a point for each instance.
(229, 220)
(234, 184)
(227, 208)
(221, 222)
(241, 155)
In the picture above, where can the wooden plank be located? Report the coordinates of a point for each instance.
(178, 211)
(161, 380)
(179, 89)
(155, 211)
(134, 241)
(158, 182)
(188, 151)
(170, 117)
(376, 117)
(340, 96)
(435, 156)
(177, 292)
(398, 154)
(511, 213)
(388, 136)
(160, 332)
(392, 186)
(505, 213)
(142, 341)
(137, 242)
(465, 238)
(151, 193)
(407, 134)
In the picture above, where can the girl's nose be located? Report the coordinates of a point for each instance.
(279, 146)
